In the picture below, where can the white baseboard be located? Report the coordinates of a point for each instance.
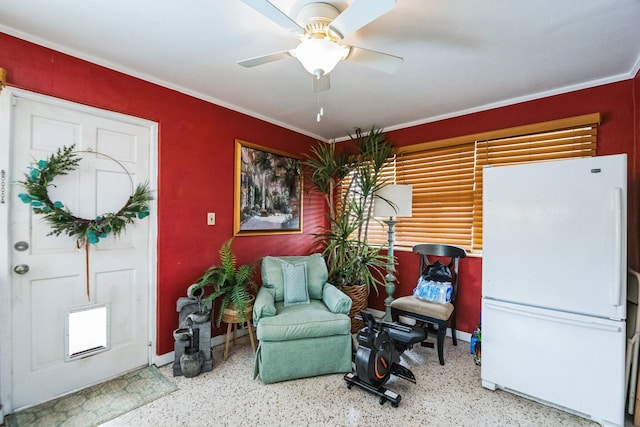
(164, 359)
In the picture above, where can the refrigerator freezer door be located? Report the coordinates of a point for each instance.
(568, 360)
(554, 235)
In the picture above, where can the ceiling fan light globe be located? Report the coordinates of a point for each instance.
(320, 56)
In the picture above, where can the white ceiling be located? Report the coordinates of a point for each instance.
(460, 56)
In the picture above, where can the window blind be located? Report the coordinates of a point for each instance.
(442, 180)
(446, 177)
(578, 141)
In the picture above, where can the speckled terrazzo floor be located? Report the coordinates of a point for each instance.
(449, 395)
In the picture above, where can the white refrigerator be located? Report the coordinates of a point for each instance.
(554, 283)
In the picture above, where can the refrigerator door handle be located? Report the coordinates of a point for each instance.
(554, 319)
(616, 284)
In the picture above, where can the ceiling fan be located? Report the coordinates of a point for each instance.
(320, 27)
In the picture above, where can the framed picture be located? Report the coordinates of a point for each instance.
(267, 191)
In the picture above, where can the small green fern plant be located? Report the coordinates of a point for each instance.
(231, 284)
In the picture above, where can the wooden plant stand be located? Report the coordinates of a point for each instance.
(230, 317)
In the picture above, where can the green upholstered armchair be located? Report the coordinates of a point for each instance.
(301, 321)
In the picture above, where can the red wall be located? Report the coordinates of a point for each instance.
(618, 104)
(196, 150)
(195, 164)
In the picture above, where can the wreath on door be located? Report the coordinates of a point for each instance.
(86, 231)
(40, 177)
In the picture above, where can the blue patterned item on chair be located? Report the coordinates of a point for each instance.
(301, 321)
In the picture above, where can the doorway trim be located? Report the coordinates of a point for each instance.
(7, 97)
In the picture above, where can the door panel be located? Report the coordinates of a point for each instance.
(555, 235)
(115, 157)
(45, 342)
(569, 360)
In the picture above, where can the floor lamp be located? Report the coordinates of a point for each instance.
(391, 201)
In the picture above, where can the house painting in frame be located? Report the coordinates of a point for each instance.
(268, 191)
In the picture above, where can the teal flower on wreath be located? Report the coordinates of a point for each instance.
(92, 238)
(144, 212)
(26, 198)
(34, 174)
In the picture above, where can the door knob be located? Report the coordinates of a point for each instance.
(21, 268)
(21, 246)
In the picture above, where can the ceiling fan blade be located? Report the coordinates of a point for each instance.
(359, 14)
(267, 9)
(376, 60)
(259, 60)
(320, 84)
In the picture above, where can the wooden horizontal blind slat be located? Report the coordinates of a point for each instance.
(579, 141)
(443, 181)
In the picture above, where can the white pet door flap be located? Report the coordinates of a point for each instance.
(86, 331)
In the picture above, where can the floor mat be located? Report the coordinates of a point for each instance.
(99, 403)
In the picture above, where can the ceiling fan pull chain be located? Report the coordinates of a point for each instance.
(320, 108)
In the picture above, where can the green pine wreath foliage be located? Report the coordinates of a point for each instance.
(40, 177)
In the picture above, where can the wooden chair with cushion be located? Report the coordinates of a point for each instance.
(430, 313)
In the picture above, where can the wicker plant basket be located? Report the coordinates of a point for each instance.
(230, 315)
(359, 296)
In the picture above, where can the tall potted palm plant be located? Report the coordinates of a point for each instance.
(348, 180)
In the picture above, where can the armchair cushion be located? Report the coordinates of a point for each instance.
(264, 305)
(295, 283)
(335, 300)
(273, 277)
(425, 308)
(294, 322)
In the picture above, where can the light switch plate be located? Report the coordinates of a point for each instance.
(211, 218)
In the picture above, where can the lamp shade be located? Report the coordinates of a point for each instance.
(393, 200)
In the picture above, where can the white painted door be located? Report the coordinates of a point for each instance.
(55, 285)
